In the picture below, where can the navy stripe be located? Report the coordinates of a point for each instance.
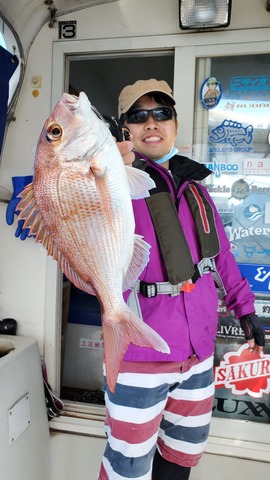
(137, 397)
(198, 380)
(188, 434)
(129, 467)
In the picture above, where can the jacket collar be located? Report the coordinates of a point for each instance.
(183, 169)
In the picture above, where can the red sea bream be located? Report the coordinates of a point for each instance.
(79, 207)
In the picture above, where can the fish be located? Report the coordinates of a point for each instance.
(79, 207)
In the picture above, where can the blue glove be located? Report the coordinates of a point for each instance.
(253, 328)
(18, 185)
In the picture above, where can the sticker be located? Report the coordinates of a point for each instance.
(231, 132)
(255, 166)
(234, 249)
(226, 213)
(252, 83)
(250, 251)
(67, 29)
(242, 379)
(210, 93)
(236, 233)
(92, 343)
(240, 189)
(255, 250)
(219, 168)
(258, 276)
(253, 212)
(267, 213)
(218, 188)
(229, 106)
(244, 372)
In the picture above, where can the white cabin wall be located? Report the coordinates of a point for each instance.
(23, 264)
(74, 457)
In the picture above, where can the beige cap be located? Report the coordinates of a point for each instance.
(131, 93)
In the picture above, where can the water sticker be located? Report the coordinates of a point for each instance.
(253, 212)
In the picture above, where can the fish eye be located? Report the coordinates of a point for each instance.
(54, 132)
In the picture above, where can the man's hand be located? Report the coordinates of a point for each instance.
(126, 150)
(254, 332)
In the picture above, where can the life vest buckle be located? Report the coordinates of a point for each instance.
(148, 289)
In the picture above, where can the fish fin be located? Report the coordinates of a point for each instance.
(33, 220)
(70, 273)
(118, 333)
(139, 182)
(29, 212)
(138, 263)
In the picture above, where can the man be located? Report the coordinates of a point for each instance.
(158, 418)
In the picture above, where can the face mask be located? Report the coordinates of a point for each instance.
(169, 155)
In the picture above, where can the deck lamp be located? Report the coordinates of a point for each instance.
(204, 14)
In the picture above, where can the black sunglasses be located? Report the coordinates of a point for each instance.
(160, 114)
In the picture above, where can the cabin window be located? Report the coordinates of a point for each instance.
(82, 346)
(231, 131)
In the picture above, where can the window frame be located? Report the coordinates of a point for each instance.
(231, 438)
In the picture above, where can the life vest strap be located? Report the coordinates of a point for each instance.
(206, 265)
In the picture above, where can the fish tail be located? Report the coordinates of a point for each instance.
(118, 333)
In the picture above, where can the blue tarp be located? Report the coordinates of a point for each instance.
(8, 65)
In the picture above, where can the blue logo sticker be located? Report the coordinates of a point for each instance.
(210, 93)
(252, 250)
(231, 132)
(258, 276)
(250, 83)
(219, 168)
(253, 212)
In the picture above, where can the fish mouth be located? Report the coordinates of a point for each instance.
(70, 101)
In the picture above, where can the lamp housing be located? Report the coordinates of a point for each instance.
(204, 14)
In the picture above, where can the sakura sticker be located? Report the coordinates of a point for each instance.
(210, 93)
(244, 372)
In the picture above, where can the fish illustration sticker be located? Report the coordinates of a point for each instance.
(210, 93)
(232, 133)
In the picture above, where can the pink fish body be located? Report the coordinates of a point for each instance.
(79, 207)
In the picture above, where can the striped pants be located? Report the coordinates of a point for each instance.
(157, 405)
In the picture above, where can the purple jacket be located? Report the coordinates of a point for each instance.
(188, 322)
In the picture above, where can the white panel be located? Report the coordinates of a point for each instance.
(19, 418)
(24, 446)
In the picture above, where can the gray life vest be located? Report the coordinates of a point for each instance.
(181, 271)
